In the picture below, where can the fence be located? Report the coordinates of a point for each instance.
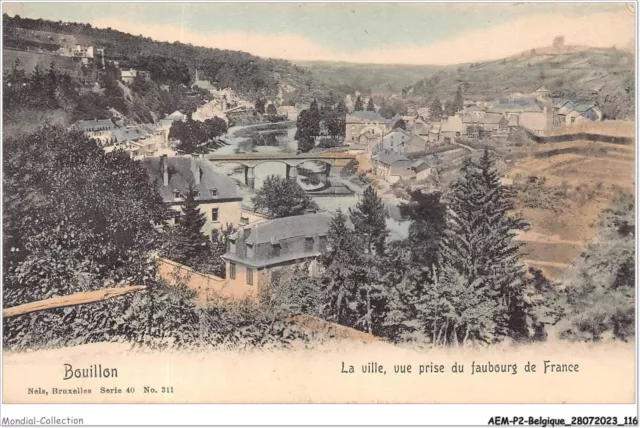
(207, 287)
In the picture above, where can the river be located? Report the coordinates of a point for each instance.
(287, 143)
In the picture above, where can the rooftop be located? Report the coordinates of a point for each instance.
(369, 116)
(273, 231)
(181, 175)
(88, 125)
(390, 158)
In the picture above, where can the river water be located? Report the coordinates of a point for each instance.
(286, 143)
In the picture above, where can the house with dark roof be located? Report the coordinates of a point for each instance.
(392, 167)
(100, 130)
(258, 251)
(367, 123)
(396, 140)
(217, 195)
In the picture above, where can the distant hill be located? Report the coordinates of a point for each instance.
(380, 79)
(246, 74)
(595, 75)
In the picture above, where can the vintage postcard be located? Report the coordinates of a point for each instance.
(319, 203)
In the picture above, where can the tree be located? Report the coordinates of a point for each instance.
(342, 272)
(428, 224)
(358, 106)
(308, 127)
(189, 243)
(370, 106)
(558, 42)
(369, 221)
(259, 106)
(271, 110)
(435, 111)
(449, 109)
(281, 197)
(482, 261)
(400, 124)
(78, 218)
(458, 102)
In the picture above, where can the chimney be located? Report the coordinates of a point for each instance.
(195, 169)
(165, 170)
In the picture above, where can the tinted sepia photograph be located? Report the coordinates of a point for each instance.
(319, 203)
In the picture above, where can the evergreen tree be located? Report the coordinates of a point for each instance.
(342, 272)
(435, 111)
(190, 243)
(259, 106)
(428, 223)
(481, 259)
(51, 86)
(370, 105)
(358, 106)
(458, 102)
(369, 221)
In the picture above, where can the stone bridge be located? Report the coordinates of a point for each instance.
(334, 161)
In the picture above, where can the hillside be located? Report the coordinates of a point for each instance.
(594, 75)
(248, 75)
(380, 79)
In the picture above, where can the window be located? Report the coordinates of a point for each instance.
(249, 276)
(244, 220)
(275, 250)
(308, 244)
(232, 270)
(232, 246)
(249, 251)
(176, 194)
(196, 193)
(573, 120)
(213, 191)
(214, 214)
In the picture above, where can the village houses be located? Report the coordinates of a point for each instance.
(217, 195)
(257, 250)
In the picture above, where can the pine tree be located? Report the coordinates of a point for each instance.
(190, 244)
(342, 272)
(435, 111)
(358, 105)
(369, 221)
(481, 259)
(458, 102)
(370, 105)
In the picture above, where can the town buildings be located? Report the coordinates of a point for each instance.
(217, 195)
(257, 250)
(367, 127)
(392, 167)
(395, 141)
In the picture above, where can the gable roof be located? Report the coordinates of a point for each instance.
(390, 158)
(88, 125)
(176, 115)
(397, 130)
(513, 120)
(491, 118)
(369, 116)
(272, 231)
(180, 175)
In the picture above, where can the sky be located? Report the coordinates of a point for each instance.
(384, 33)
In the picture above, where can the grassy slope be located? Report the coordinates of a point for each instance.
(588, 179)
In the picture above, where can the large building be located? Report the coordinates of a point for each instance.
(257, 251)
(367, 127)
(218, 196)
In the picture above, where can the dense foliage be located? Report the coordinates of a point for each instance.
(198, 137)
(282, 197)
(599, 290)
